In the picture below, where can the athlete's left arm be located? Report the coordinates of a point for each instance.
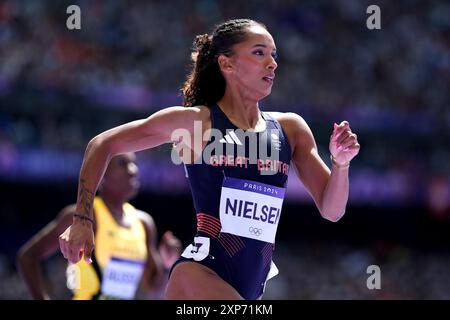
(150, 285)
(329, 189)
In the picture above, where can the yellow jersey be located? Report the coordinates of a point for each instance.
(118, 259)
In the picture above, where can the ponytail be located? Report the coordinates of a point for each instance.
(205, 85)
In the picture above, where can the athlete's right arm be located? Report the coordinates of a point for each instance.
(40, 247)
(134, 136)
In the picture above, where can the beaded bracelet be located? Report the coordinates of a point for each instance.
(84, 218)
(340, 166)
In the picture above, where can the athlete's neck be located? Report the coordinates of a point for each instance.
(115, 206)
(245, 114)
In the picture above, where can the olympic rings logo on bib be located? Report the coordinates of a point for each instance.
(255, 231)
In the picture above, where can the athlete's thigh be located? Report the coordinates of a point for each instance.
(191, 280)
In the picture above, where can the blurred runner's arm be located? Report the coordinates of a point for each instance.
(40, 247)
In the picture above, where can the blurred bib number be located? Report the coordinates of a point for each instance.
(121, 278)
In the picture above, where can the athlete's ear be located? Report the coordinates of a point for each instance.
(225, 63)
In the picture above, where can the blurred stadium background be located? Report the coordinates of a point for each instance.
(59, 88)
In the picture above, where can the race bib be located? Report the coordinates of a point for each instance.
(250, 209)
(121, 278)
(199, 250)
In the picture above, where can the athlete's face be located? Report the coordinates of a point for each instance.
(121, 177)
(252, 65)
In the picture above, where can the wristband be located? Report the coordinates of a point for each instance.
(340, 166)
(84, 218)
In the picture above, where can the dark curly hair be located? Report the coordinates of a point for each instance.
(205, 84)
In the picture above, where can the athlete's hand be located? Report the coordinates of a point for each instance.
(78, 239)
(169, 249)
(344, 144)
